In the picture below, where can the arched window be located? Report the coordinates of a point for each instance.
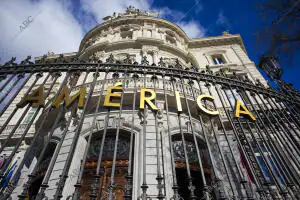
(122, 162)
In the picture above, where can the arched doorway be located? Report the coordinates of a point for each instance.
(181, 168)
(121, 170)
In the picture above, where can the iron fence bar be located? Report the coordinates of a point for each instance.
(64, 175)
(7, 81)
(175, 185)
(159, 177)
(265, 142)
(217, 179)
(8, 192)
(261, 136)
(39, 75)
(17, 125)
(129, 177)
(271, 128)
(2, 77)
(243, 181)
(246, 141)
(221, 153)
(286, 155)
(287, 120)
(32, 174)
(257, 181)
(102, 182)
(93, 194)
(144, 186)
(46, 179)
(191, 187)
(112, 181)
(282, 141)
(291, 113)
(292, 110)
(20, 76)
(270, 169)
(273, 150)
(76, 194)
(14, 96)
(195, 141)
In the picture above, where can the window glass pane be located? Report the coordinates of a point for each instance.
(231, 97)
(220, 60)
(29, 116)
(215, 61)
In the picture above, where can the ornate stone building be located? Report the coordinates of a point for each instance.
(126, 152)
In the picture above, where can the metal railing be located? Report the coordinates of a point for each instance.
(276, 129)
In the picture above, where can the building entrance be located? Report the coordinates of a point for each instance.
(106, 172)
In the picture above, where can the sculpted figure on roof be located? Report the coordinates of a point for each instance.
(130, 11)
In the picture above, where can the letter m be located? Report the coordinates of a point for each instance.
(64, 95)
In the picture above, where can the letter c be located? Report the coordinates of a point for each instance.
(199, 103)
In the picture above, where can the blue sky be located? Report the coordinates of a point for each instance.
(59, 25)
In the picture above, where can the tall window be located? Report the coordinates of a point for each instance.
(218, 59)
(269, 159)
(231, 96)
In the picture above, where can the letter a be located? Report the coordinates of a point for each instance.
(36, 98)
(64, 95)
(245, 111)
(109, 94)
(144, 99)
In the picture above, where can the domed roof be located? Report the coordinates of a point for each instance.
(132, 17)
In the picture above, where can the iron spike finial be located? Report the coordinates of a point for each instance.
(11, 62)
(110, 59)
(144, 61)
(161, 62)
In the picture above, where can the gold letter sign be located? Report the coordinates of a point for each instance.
(109, 94)
(144, 99)
(205, 96)
(36, 98)
(245, 111)
(64, 95)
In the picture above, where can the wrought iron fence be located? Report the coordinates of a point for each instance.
(276, 129)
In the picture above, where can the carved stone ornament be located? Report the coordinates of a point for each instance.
(131, 11)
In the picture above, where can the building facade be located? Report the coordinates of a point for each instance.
(142, 111)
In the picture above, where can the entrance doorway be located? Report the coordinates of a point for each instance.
(121, 168)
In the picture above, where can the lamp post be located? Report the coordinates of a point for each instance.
(274, 71)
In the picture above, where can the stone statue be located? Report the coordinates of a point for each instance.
(130, 11)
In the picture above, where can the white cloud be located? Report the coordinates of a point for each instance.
(193, 29)
(53, 29)
(103, 8)
(172, 15)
